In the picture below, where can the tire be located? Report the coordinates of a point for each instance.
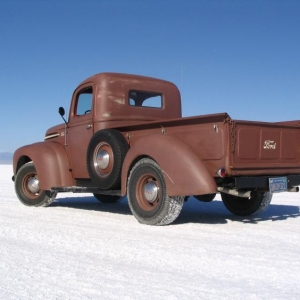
(147, 195)
(105, 156)
(239, 206)
(107, 198)
(27, 187)
(206, 197)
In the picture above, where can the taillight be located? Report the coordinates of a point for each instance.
(222, 173)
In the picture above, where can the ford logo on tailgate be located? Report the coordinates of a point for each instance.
(268, 144)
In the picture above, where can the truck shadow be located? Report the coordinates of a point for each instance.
(91, 203)
(216, 213)
(193, 210)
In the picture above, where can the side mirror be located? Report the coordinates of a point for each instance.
(61, 111)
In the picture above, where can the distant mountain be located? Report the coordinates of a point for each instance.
(6, 158)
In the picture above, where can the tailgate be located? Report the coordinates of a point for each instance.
(264, 148)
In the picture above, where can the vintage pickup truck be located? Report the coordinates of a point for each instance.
(125, 135)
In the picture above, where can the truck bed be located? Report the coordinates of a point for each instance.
(241, 147)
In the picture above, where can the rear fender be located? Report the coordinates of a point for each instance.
(51, 163)
(184, 172)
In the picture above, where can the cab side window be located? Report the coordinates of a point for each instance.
(84, 102)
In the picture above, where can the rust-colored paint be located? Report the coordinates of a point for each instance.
(190, 151)
(111, 109)
(266, 148)
(111, 104)
(51, 163)
(184, 172)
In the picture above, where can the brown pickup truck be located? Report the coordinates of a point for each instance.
(125, 136)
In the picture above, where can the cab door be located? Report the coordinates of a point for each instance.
(80, 129)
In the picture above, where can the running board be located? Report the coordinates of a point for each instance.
(83, 189)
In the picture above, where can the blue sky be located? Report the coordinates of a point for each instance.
(240, 57)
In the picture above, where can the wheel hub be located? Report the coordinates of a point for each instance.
(102, 159)
(33, 185)
(151, 191)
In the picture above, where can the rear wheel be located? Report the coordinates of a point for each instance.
(107, 198)
(239, 206)
(28, 190)
(147, 195)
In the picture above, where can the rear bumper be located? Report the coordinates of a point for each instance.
(263, 181)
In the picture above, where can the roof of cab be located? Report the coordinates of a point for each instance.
(100, 76)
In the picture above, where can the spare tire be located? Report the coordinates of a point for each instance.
(105, 156)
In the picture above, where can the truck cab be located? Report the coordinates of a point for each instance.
(110, 100)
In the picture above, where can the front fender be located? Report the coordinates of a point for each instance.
(51, 163)
(184, 172)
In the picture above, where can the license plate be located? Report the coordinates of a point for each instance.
(278, 185)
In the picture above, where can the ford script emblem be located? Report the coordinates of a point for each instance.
(270, 145)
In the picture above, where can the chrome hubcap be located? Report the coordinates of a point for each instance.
(33, 185)
(151, 191)
(102, 159)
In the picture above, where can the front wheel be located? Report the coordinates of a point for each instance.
(147, 195)
(28, 190)
(239, 206)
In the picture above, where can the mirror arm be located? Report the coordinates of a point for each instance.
(61, 111)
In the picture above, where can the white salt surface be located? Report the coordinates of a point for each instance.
(79, 248)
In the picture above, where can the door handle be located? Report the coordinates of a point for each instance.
(89, 126)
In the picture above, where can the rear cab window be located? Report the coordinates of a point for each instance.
(145, 99)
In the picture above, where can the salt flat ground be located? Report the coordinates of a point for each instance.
(79, 248)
